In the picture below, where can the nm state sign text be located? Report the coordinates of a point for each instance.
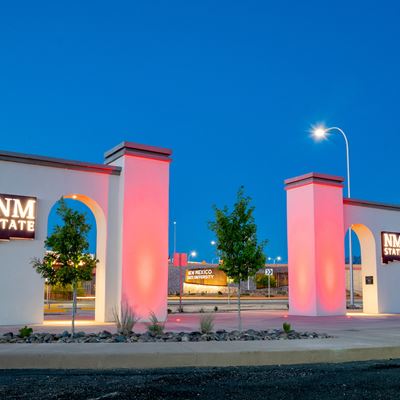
(17, 217)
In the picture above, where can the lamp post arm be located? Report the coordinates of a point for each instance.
(348, 195)
(347, 157)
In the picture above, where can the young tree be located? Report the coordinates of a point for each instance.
(67, 262)
(236, 232)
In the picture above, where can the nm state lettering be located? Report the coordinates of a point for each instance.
(17, 217)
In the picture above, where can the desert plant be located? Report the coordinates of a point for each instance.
(206, 323)
(127, 320)
(286, 327)
(155, 327)
(25, 332)
(216, 308)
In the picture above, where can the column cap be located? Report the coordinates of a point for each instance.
(136, 149)
(315, 178)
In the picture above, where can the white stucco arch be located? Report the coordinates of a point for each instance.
(101, 248)
(368, 220)
(128, 196)
(368, 266)
(318, 218)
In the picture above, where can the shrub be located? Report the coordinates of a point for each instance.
(206, 323)
(220, 293)
(262, 281)
(126, 321)
(286, 327)
(155, 327)
(201, 310)
(25, 332)
(216, 308)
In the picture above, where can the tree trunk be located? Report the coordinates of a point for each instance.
(73, 307)
(239, 316)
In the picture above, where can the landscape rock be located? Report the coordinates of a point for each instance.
(167, 337)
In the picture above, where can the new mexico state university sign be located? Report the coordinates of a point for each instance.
(17, 217)
(206, 276)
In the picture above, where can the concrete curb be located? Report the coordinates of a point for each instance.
(168, 355)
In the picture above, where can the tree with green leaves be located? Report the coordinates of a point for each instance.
(67, 261)
(236, 232)
(262, 281)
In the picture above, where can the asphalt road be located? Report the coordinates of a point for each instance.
(367, 380)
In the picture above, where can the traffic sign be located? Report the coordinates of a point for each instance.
(269, 271)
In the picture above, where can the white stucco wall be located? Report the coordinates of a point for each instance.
(21, 287)
(368, 222)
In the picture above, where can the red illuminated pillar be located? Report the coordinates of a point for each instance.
(143, 207)
(316, 245)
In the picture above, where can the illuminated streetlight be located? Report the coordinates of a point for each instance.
(275, 259)
(214, 243)
(192, 254)
(321, 132)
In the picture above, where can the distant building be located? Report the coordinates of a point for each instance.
(211, 286)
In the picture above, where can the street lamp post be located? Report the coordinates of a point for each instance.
(269, 277)
(214, 243)
(320, 133)
(191, 254)
(174, 237)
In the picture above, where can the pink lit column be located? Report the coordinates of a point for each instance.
(316, 245)
(144, 201)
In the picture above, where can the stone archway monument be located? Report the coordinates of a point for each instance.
(318, 218)
(129, 197)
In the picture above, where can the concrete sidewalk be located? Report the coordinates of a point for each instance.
(357, 337)
(203, 354)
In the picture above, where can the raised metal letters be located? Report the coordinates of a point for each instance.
(390, 242)
(17, 217)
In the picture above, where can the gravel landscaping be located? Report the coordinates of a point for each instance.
(108, 337)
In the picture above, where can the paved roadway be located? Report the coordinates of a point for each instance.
(352, 381)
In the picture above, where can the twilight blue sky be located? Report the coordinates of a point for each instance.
(231, 86)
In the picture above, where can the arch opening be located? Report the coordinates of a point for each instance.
(364, 247)
(356, 262)
(58, 301)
